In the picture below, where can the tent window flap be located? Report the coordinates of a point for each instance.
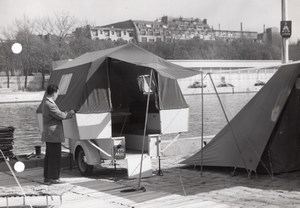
(64, 83)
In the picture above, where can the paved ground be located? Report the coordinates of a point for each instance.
(180, 186)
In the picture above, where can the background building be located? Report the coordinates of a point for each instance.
(150, 31)
(270, 36)
(164, 29)
(180, 28)
(121, 30)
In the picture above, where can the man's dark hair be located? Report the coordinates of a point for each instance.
(52, 89)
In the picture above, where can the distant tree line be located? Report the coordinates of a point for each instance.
(240, 49)
(48, 39)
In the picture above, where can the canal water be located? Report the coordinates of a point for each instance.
(22, 116)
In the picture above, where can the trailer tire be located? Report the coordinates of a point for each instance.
(84, 168)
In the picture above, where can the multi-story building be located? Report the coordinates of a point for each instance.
(165, 29)
(170, 28)
(131, 30)
(181, 28)
(122, 30)
(150, 31)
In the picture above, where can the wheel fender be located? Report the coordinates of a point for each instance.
(91, 153)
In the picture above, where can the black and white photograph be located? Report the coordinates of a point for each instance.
(146, 104)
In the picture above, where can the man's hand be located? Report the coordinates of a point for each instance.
(72, 112)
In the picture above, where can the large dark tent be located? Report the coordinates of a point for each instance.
(265, 134)
(112, 80)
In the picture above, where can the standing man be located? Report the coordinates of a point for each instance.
(53, 135)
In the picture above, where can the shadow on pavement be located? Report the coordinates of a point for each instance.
(186, 181)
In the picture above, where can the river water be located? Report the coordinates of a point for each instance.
(22, 116)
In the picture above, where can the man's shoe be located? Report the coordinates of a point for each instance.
(56, 181)
(47, 181)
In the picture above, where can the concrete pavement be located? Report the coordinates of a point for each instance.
(180, 186)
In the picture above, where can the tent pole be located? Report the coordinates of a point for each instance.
(138, 188)
(235, 142)
(202, 114)
(144, 134)
(219, 99)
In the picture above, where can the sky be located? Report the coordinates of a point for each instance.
(226, 14)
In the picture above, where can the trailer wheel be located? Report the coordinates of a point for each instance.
(84, 168)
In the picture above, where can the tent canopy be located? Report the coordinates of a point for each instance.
(112, 80)
(133, 54)
(265, 134)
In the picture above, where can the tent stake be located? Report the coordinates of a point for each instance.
(233, 173)
(271, 167)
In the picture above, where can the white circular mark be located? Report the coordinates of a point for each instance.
(16, 48)
(19, 166)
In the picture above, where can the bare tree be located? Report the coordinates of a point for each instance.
(7, 59)
(42, 50)
(62, 27)
(45, 46)
(25, 35)
(44, 26)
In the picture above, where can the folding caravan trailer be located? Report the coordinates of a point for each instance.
(116, 93)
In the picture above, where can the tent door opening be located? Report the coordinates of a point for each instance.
(129, 87)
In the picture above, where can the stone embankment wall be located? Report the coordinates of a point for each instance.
(243, 81)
